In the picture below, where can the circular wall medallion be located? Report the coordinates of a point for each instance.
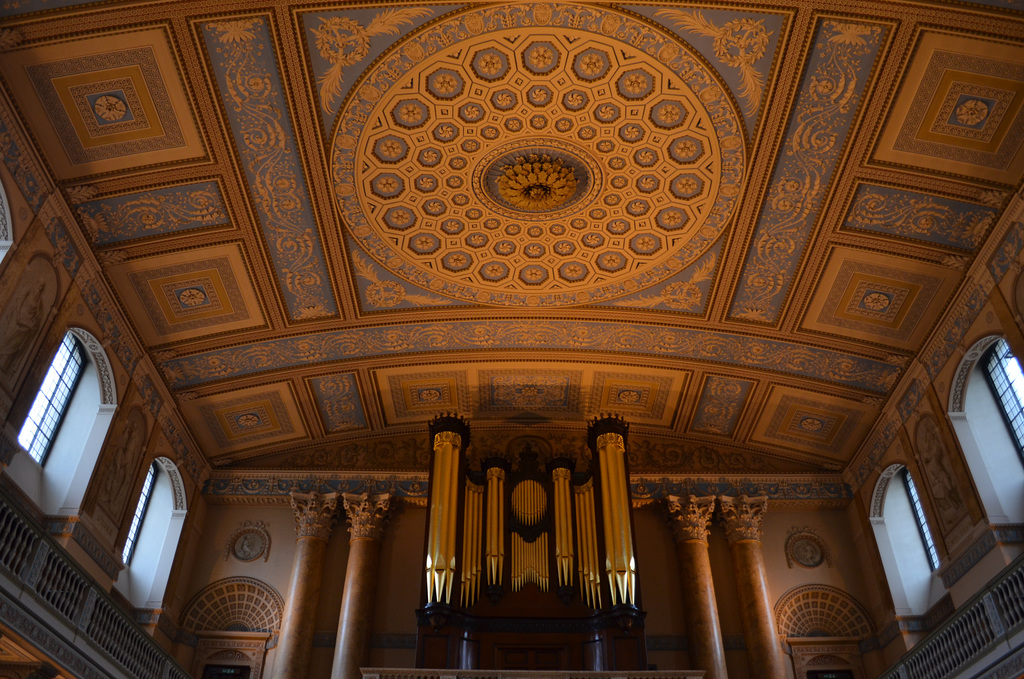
(248, 545)
(607, 134)
(807, 552)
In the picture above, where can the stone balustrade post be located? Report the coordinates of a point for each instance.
(742, 518)
(367, 516)
(315, 514)
(690, 518)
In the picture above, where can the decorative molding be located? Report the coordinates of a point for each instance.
(821, 610)
(881, 486)
(177, 485)
(742, 516)
(238, 604)
(963, 372)
(690, 517)
(315, 513)
(367, 515)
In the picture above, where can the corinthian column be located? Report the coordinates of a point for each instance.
(314, 518)
(742, 518)
(366, 514)
(690, 518)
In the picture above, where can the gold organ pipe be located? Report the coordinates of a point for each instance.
(563, 527)
(495, 524)
(580, 548)
(440, 567)
(471, 545)
(615, 498)
(594, 570)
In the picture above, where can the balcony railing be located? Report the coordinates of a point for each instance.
(390, 673)
(41, 575)
(993, 618)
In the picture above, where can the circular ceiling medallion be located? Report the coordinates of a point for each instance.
(588, 157)
(540, 179)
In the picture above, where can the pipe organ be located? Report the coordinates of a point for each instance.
(546, 572)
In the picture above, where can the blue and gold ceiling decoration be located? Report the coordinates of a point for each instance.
(735, 225)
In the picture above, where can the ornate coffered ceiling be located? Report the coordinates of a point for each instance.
(737, 225)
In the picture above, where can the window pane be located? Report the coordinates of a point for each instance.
(52, 400)
(922, 523)
(140, 513)
(1007, 381)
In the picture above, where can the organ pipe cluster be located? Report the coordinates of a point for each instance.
(495, 525)
(444, 499)
(586, 541)
(472, 571)
(620, 563)
(563, 526)
(541, 523)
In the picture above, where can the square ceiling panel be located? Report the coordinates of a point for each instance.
(959, 109)
(878, 298)
(106, 104)
(173, 298)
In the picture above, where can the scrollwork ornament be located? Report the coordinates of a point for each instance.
(315, 514)
(742, 516)
(690, 517)
(367, 514)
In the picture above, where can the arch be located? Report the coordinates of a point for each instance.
(144, 580)
(980, 426)
(234, 604)
(6, 223)
(913, 585)
(821, 611)
(59, 486)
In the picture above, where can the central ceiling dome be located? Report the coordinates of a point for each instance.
(538, 168)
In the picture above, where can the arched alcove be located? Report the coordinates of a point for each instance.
(981, 429)
(237, 604)
(912, 583)
(821, 611)
(144, 580)
(59, 484)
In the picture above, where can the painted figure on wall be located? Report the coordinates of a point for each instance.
(121, 462)
(23, 316)
(933, 456)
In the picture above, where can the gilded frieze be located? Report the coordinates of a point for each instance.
(339, 402)
(380, 290)
(151, 213)
(787, 357)
(928, 218)
(721, 402)
(242, 54)
(840, 65)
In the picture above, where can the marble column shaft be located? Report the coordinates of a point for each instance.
(742, 517)
(690, 518)
(315, 514)
(367, 515)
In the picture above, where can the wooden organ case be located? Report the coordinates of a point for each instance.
(530, 565)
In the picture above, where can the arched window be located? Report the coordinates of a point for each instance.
(140, 514)
(986, 412)
(904, 543)
(6, 224)
(922, 522)
(52, 399)
(152, 538)
(66, 425)
(1007, 382)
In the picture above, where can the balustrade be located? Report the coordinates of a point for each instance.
(994, 616)
(31, 560)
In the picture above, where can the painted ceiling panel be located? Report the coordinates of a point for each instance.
(736, 226)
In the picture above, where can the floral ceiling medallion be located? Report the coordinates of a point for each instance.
(513, 167)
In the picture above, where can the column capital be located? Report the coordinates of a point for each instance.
(690, 517)
(315, 514)
(366, 514)
(742, 516)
